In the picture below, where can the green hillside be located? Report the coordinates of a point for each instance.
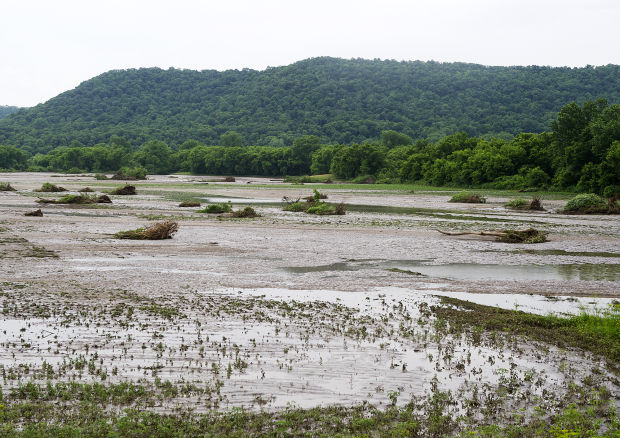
(6, 110)
(340, 101)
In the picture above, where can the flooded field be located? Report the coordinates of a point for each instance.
(290, 310)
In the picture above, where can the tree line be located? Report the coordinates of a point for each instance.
(580, 152)
(340, 101)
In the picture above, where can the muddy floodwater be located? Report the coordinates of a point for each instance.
(289, 308)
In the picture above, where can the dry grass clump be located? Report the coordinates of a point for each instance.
(77, 199)
(125, 190)
(229, 179)
(189, 204)
(37, 213)
(6, 187)
(86, 190)
(50, 188)
(246, 212)
(157, 231)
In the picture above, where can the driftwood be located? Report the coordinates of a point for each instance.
(529, 235)
(476, 233)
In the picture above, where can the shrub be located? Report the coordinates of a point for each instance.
(86, 190)
(316, 196)
(296, 206)
(100, 176)
(518, 203)
(50, 188)
(585, 203)
(216, 208)
(246, 212)
(470, 198)
(321, 209)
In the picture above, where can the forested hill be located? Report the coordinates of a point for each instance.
(6, 110)
(340, 101)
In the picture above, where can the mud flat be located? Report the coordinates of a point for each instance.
(362, 314)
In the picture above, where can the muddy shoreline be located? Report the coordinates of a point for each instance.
(268, 312)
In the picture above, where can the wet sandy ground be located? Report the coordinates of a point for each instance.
(221, 285)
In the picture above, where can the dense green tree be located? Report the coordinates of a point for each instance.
(12, 158)
(301, 153)
(392, 139)
(358, 159)
(231, 138)
(155, 157)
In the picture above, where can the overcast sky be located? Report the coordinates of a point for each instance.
(50, 46)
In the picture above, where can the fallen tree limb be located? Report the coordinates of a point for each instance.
(529, 235)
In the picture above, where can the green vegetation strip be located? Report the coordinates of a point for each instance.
(598, 333)
(33, 411)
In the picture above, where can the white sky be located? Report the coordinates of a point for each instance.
(50, 46)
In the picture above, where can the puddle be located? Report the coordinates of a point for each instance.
(561, 252)
(222, 200)
(473, 271)
(355, 265)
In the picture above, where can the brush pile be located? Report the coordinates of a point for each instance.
(157, 231)
(189, 204)
(125, 190)
(36, 213)
(6, 187)
(529, 235)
